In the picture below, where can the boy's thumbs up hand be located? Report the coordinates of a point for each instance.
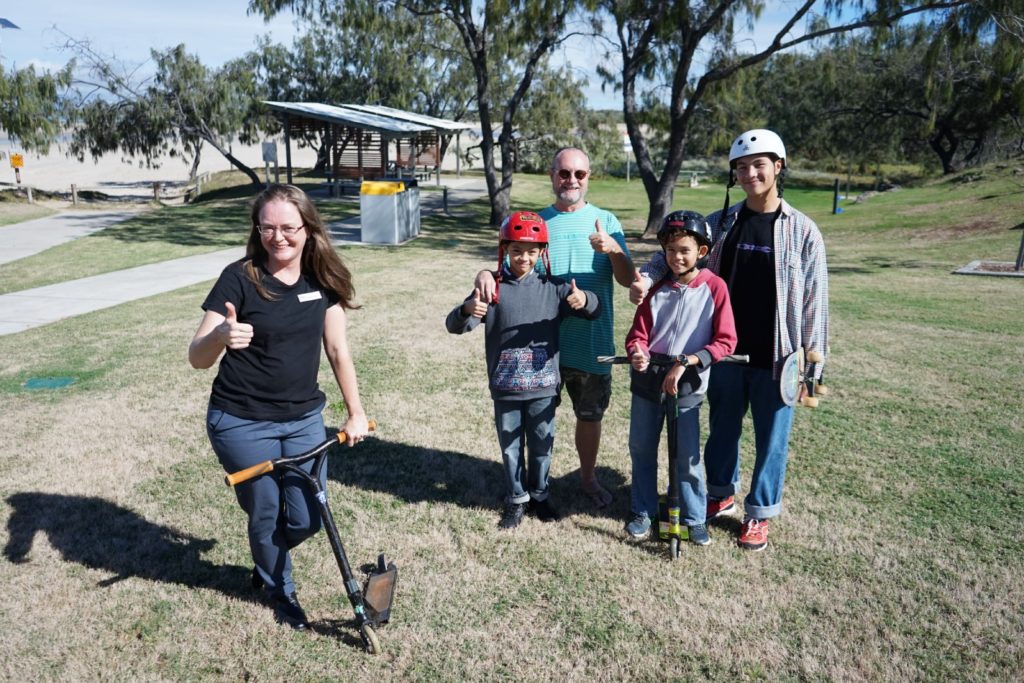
(601, 241)
(576, 299)
(234, 334)
(475, 307)
(637, 290)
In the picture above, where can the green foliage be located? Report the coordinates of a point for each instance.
(31, 105)
(183, 106)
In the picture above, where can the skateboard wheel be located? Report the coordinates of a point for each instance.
(814, 357)
(821, 390)
(809, 402)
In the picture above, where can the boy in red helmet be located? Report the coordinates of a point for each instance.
(521, 343)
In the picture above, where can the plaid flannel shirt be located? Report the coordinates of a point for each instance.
(801, 281)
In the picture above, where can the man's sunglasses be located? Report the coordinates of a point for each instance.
(565, 174)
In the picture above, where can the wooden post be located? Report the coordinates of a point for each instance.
(835, 197)
(156, 192)
(1019, 265)
(458, 154)
(74, 194)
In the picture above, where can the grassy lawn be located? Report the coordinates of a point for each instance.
(898, 554)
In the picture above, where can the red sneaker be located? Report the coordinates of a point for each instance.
(719, 506)
(754, 534)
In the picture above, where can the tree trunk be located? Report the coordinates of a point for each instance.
(194, 171)
(235, 162)
(944, 143)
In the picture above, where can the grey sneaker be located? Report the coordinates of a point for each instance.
(639, 527)
(699, 534)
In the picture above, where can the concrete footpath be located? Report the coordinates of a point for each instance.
(31, 237)
(30, 308)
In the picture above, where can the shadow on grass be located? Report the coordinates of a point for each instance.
(416, 474)
(101, 535)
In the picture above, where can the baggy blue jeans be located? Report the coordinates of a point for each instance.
(645, 425)
(526, 426)
(282, 510)
(731, 389)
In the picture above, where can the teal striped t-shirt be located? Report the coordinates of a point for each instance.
(581, 341)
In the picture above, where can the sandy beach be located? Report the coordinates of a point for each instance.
(127, 178)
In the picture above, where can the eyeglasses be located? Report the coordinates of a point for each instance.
(565, 174)
(286, 230)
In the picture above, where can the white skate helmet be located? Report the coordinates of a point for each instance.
(757, 141)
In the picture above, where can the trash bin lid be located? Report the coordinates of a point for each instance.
(381, 187)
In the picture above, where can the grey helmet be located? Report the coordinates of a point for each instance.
(689, 222)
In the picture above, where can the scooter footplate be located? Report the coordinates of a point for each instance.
(379, 591)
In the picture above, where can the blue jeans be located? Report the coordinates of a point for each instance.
(282, 510)
(532, 422)
(731, 389)
(645, 423)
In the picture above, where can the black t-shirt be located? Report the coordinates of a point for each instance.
(748, 267)
(275, 378)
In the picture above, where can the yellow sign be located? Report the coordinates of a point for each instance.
(17, 161)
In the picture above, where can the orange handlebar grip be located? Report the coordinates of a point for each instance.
(248, 473)
(342, 437)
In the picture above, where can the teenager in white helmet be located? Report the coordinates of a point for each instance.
(772, 257)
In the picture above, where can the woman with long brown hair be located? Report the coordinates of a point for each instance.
(268, 314)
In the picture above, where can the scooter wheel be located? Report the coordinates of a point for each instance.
(673, 548)
(370, 639)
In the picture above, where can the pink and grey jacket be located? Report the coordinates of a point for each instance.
(693, 319)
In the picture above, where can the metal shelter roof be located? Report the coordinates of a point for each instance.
(345, 116)
(445, 125)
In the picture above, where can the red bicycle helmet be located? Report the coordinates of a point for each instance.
(522, 226)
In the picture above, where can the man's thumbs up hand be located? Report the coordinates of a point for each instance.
(601, 241)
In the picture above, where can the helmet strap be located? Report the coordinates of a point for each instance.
(732, 181)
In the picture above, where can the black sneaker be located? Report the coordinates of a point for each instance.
(288, 611)
(256, 581)
(512, 515)
(544, 511)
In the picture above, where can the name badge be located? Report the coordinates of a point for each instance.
(309, 296)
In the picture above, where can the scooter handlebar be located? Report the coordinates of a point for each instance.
(268, 465)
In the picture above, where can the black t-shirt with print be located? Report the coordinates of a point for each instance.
(275, 378)
(748, 267)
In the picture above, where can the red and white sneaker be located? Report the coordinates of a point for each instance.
(719, 506)
(754, 534)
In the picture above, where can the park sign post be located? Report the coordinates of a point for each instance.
(17, 162)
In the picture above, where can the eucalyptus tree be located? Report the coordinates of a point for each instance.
(176, 110)
(658, 45)
(31, 105)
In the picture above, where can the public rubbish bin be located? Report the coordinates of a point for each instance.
(390, 211)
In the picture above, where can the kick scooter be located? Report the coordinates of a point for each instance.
(670, 530)
(372, 604)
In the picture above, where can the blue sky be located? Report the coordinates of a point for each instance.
(215, 30)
